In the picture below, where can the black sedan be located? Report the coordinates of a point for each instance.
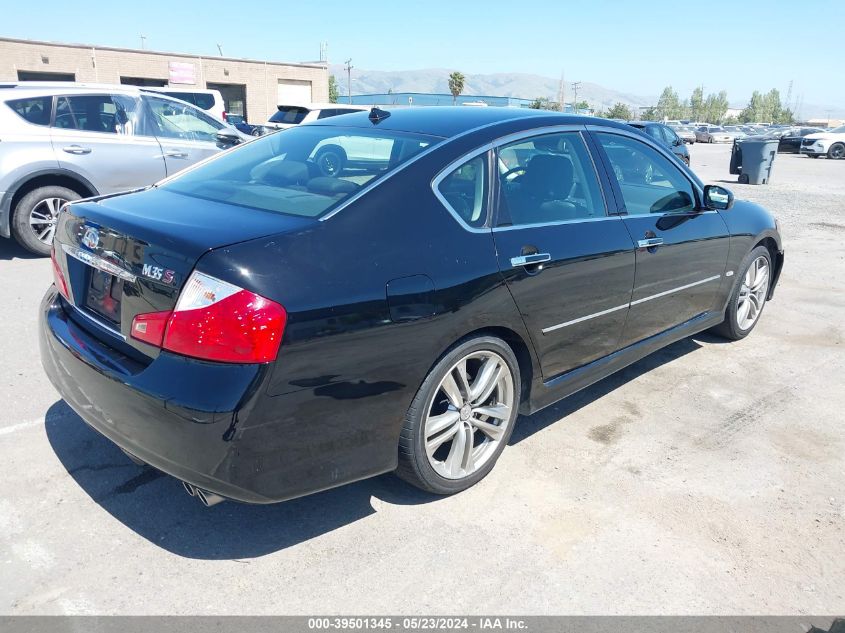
(267, 325)
(790, 142)
(665, 135)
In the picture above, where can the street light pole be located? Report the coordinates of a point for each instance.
(349, 68)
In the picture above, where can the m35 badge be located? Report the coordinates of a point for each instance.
(156, 273)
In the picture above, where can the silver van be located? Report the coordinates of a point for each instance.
(61, 142)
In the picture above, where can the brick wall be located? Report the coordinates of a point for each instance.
(107, 65)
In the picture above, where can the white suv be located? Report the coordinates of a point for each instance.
(290, 115)
(830, 143)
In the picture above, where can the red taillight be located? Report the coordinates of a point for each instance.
(225, 116)
(217, 321)
(59, 276)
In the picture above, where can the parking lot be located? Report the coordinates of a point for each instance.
(708, 478)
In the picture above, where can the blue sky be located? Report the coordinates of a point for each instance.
(639, 48)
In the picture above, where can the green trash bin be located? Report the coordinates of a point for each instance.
(756, 156)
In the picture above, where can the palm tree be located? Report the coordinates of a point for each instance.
(456, 85)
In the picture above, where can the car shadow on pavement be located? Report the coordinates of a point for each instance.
(157, 508)
(10, 249)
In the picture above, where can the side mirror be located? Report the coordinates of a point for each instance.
(227, 139)
(716, 197)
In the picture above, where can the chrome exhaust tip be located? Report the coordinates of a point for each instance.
(208, 499)
(191, 490)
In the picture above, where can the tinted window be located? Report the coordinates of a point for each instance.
(670, 135)
(35, 110)
(290, 114)
(91, 113)
(199, 99)
(465, 191)
(325, 114)
(282, 172)
(548, 178)
(655, 132)
(649, 181)
(169, 119)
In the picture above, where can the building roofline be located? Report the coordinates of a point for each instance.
(162, 53)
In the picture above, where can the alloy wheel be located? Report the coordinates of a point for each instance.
(44, 217)
(469, 414)
(752, 293)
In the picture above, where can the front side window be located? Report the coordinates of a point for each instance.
(649, 181)
(304, 171)
(547, 179)
(90, 113)
(671, 137)
(170, 119)
(465, 191)
(36, 110)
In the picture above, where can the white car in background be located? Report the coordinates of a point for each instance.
(735, 131)
(290, 115)
(209, 100)
(713, 134)
(830, 143)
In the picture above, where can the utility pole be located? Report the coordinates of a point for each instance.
(324, 52)
(575, 86)
(143, 41)
(220, 48)
(349, 68)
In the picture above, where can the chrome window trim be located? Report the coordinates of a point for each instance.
(98, 262)
(514, 227)
(630, 304)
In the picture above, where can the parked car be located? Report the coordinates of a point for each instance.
(735, 131)
(261, 331)
(830, 143)
(790, 141)
(665, 135)
(209, 100)
(290, 115)
(239, 122)
(712, 134)
(62, 142)
(686, 133)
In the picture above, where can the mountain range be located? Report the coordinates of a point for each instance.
(524, 85)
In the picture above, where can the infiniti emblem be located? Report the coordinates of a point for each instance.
(91, 238)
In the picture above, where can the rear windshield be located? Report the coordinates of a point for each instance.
(304, 171)
(290, 114)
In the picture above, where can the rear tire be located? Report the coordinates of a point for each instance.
(35, 217)
(748, 297)
(836, 151)
(456, 428)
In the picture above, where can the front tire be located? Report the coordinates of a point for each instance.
(748, 297)
(461, 418)
(836, 151)
(36, 215)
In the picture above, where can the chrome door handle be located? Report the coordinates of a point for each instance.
(649, 242)
(76, 149)
(176, 154)
(529, 260)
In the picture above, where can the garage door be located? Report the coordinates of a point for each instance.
(294, 92)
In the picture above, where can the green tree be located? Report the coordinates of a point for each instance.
(618, 111)
(456, 85)
(334, 92)
(669, 105)
(696, 104)
(543, 103)
(755, 110)
(581, 105)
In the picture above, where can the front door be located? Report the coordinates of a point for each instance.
(568, 265)
(98, 137)
(186, 134)
(682, 250)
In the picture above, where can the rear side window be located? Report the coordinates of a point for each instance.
(464, 190)
(91, 113)
(36, 110)
(292, 114)
(547, 179)
(304, 171)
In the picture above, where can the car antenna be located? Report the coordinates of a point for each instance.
(377, 115)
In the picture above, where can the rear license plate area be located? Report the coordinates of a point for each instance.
(104, 295)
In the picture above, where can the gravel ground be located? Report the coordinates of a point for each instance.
(709, 478)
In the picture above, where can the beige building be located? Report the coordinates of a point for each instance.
(248, 86)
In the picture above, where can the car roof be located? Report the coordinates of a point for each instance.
(323, 106)
(178, 89)
(449, 121)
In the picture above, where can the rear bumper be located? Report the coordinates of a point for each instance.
(179, 415)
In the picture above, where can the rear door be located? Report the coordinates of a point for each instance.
(682, 250)
(100, 137)
(186, 134)
(568, 264)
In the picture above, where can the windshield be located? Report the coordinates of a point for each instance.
(304, 171)
(838, 130)
(289, 114)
